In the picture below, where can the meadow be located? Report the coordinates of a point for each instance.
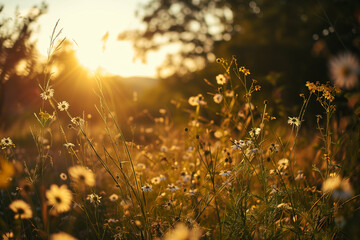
(234, 169)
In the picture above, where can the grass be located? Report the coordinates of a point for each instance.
(241, 175)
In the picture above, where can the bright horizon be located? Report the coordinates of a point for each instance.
(86, 22)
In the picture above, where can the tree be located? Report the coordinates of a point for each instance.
(17, 50)
(283, 42)
(208, 28)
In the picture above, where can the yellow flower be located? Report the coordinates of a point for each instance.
(46, 116)
(21, 209)
(62, 236)
(82, 175)
(181, 232)
(59, 197)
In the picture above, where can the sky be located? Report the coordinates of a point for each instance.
(86, 22)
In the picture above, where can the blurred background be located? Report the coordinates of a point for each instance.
(155, 53)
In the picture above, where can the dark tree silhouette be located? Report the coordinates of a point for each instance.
(262, 31)
(16, 49)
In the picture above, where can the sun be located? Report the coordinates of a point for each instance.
(116, 58)
(89, 59)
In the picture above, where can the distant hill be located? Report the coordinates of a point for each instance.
(136, 83)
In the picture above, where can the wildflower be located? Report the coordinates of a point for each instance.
(172, 188)
(344, 70)
(224, 173)
(63, 106)
(21, 209)
(69, 145)
(147, 187)
(163, 149)
(182, 232)
(229, 93)
(192, 192)
(294, 121)
(63, 176)
(6, 142)
(283, 164)
(94, 198)
(340, 188)
(78, 121)
(113, 197)
(61, 236)
(47, 94)
(218, 98)
(239, 144)
(254, 132)
(244, 70)
(82, 175)
(162, 177)
(59, 197)
(197, 100)
(221, 79)
(46, 116)
(155, 180)
(311, 86)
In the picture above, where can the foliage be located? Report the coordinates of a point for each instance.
(17, 50)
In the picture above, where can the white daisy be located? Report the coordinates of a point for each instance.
(77, 121)
(218, 98)
(221, 79)
(224, 173)
(294, 121)
(255, 132)
(172, 188)
(283, 164)
(239, 144)
(6, 142)
(47, 94)
(63, 106)
(147, 187)
(197, 100)
(94, 198)
(344, 70)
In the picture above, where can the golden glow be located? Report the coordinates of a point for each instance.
(86, 22)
